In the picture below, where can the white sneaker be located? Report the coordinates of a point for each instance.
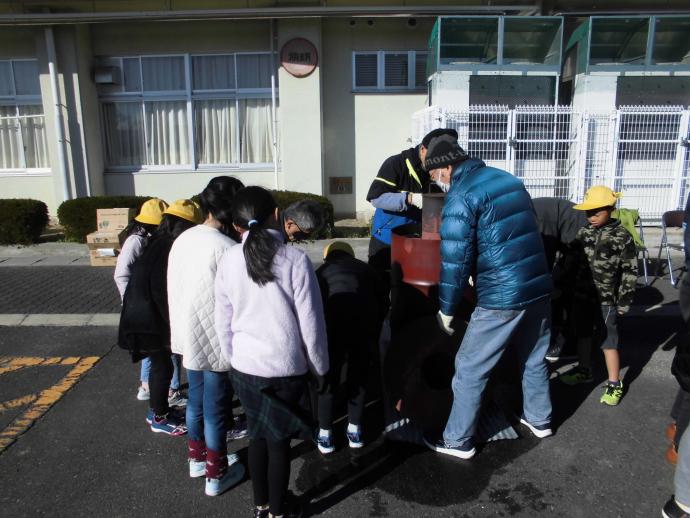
(197, 468)
(235, 473)
(176, 399)
(143, 393)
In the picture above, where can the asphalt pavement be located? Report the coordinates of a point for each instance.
(73, 441)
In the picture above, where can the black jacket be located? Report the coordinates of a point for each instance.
(394, 175)
(558, 224)
(145, 322)
(354, 298)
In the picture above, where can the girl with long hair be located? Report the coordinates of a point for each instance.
(270, 324)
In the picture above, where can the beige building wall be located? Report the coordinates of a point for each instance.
(361, 130)
(17, 43)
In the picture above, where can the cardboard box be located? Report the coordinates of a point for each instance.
(97, 240)
(113, 220)
(100, 260)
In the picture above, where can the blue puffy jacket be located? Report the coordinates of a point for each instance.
(489, 231)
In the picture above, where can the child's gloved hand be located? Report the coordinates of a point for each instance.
(444, 322)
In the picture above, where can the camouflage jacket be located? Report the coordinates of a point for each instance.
(606, 264)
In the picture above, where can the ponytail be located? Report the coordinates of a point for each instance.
(252, 210)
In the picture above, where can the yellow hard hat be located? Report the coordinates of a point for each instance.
(338, 245)
(597, 197)
(151, 212)
(185, 209)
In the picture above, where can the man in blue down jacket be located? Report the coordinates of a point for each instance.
(489, 232)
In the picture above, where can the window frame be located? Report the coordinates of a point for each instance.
(15, 101)
(412, 86)
(189, 95)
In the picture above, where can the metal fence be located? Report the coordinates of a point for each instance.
(639, 150)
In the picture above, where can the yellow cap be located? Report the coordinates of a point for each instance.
(185, 209)
(597, 197)
(151, 212)
(338, 245)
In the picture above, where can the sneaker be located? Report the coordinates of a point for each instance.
(197, 468)
(465, 450)
(554, 352)
(576, 376)
(673, 510)
(239, 428)
(235, 473)
(176, 399)
(325, 444)
(149, 416)
(612, 394)
(143, 393)
(355, 439)
(541, 431)
(169, 425)
(260, 513)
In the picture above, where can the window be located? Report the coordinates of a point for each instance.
(23, 142)
(195, 111)
(382, 70)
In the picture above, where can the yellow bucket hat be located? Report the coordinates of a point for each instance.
(338, 245)
(185, 209)
(597, 197)
(151, 212)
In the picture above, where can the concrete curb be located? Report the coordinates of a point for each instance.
(60, 319)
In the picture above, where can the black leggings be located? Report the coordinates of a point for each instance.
(269, 468)
(159, 381)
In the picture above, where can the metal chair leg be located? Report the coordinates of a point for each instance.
(644, 266)
(658, 262)
(670, 265)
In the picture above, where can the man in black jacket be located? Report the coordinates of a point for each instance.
(396, 193)
(354, 302)
(558, 224)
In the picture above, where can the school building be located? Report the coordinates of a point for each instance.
(155, 97)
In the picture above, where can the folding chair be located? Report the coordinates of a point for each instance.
(631, 220)
(670, 219)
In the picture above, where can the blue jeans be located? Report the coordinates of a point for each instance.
(489, 333)
(207, 404)
(682, 477)
(146, 368)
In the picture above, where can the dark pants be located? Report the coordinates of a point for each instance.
(269, 467)
(356, 354)
(159, 381)
(681, 414)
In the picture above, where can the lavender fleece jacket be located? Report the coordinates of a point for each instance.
(273, 330)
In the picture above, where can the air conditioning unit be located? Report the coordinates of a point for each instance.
(106, 75)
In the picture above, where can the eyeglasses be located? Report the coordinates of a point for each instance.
(300, 235)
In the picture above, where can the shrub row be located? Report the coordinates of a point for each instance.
(78, 216)
(22, 221)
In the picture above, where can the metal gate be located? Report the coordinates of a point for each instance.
(641, 151)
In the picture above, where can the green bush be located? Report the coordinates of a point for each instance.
(22, 221)
(78, 216)
(285, 198)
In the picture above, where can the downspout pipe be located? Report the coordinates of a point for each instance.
(59, 123)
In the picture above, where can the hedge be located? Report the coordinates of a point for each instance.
(22, 221)
(78, 216)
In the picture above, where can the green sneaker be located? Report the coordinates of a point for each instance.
(612, 394)
(576, 376)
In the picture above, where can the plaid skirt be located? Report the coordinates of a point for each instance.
(276, 408)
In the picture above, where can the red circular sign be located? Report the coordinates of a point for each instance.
(299, 57)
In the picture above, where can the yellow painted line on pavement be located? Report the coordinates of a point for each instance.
(16, 403)
(42, 402)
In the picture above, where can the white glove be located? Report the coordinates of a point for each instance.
(416, 199)
(444, 323)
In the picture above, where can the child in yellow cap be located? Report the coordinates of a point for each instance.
(605, 270)
(137, 235)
